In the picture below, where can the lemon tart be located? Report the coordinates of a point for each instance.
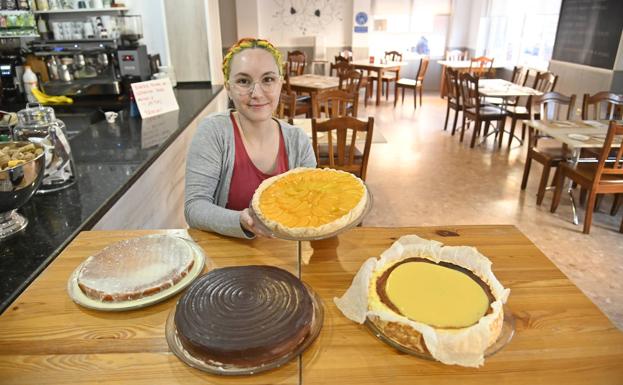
(440, 301)
(310, 202)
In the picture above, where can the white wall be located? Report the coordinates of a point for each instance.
(361, 41)
(154, 18)
(229, 25)
(458, 33)
(215, 48)
(329, 18)
(247, 18)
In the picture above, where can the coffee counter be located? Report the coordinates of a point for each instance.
(109, 161)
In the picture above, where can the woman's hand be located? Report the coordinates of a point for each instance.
(248, 223)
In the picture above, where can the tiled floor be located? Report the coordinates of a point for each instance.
(423, 176)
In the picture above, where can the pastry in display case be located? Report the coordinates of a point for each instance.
(434, 301)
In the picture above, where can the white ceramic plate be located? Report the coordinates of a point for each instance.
(81, 299)
(580, 137)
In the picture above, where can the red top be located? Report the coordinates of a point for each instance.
(246, 177)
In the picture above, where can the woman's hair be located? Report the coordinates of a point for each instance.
(248, 42)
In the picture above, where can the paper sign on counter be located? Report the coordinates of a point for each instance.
(154, 97)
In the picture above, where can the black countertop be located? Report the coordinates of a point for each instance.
(108, 159)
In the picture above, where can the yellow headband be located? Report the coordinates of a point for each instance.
(245, 43)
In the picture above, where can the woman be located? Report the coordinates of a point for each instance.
(234, 151)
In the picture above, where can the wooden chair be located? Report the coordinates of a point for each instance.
(596, 178)
(518, 108)
(475, 111)
(340, 68)
(414, 84)
(520, 75)
(347, 54)
(352, 81)
(343, 154)
(339, 59)
(481, 66)
(297, 62)
(303, 102)
(287, 105)
(457, 55)
(335, 104)
(388, 76)
(454, 97)
(550, 105)
(600, 106)
(545, 82)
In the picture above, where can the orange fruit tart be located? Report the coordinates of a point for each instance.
(310, 202)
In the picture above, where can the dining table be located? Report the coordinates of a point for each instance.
(312, 84)
(559, 335)
(459, 66)
(502, 92)
(574, 135)
(378, 68)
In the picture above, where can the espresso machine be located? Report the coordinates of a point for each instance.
(38, 124)
(11, 71)
(133, 58)
(80, 68)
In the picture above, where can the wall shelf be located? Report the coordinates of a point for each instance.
(81, 10)
(13, 11)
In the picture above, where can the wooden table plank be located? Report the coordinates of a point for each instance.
(561, 337)
(379, 68)
(123, 368)
(46, 338)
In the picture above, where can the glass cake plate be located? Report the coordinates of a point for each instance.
(81, 299)
(354, 223)
(234, 370)
(506, 334)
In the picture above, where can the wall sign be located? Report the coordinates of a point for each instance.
(589, 32)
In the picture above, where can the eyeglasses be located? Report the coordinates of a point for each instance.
(244, 86)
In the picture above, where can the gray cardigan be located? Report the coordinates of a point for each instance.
(210, 165)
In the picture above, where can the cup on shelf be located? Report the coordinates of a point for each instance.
(97, 4)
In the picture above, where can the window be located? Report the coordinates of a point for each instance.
(521, 33)
(413, 27)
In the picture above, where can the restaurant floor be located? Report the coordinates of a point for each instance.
(423, 176)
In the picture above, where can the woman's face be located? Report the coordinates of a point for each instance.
(254, 84)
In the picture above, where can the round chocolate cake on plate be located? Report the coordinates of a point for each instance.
(244, 316)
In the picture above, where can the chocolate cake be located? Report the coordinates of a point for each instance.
(244, 316)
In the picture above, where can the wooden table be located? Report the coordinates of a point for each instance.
(379, 68)
(460, 66)
(563, 131)
(312, 84)
(561, 337)
(501, 88)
